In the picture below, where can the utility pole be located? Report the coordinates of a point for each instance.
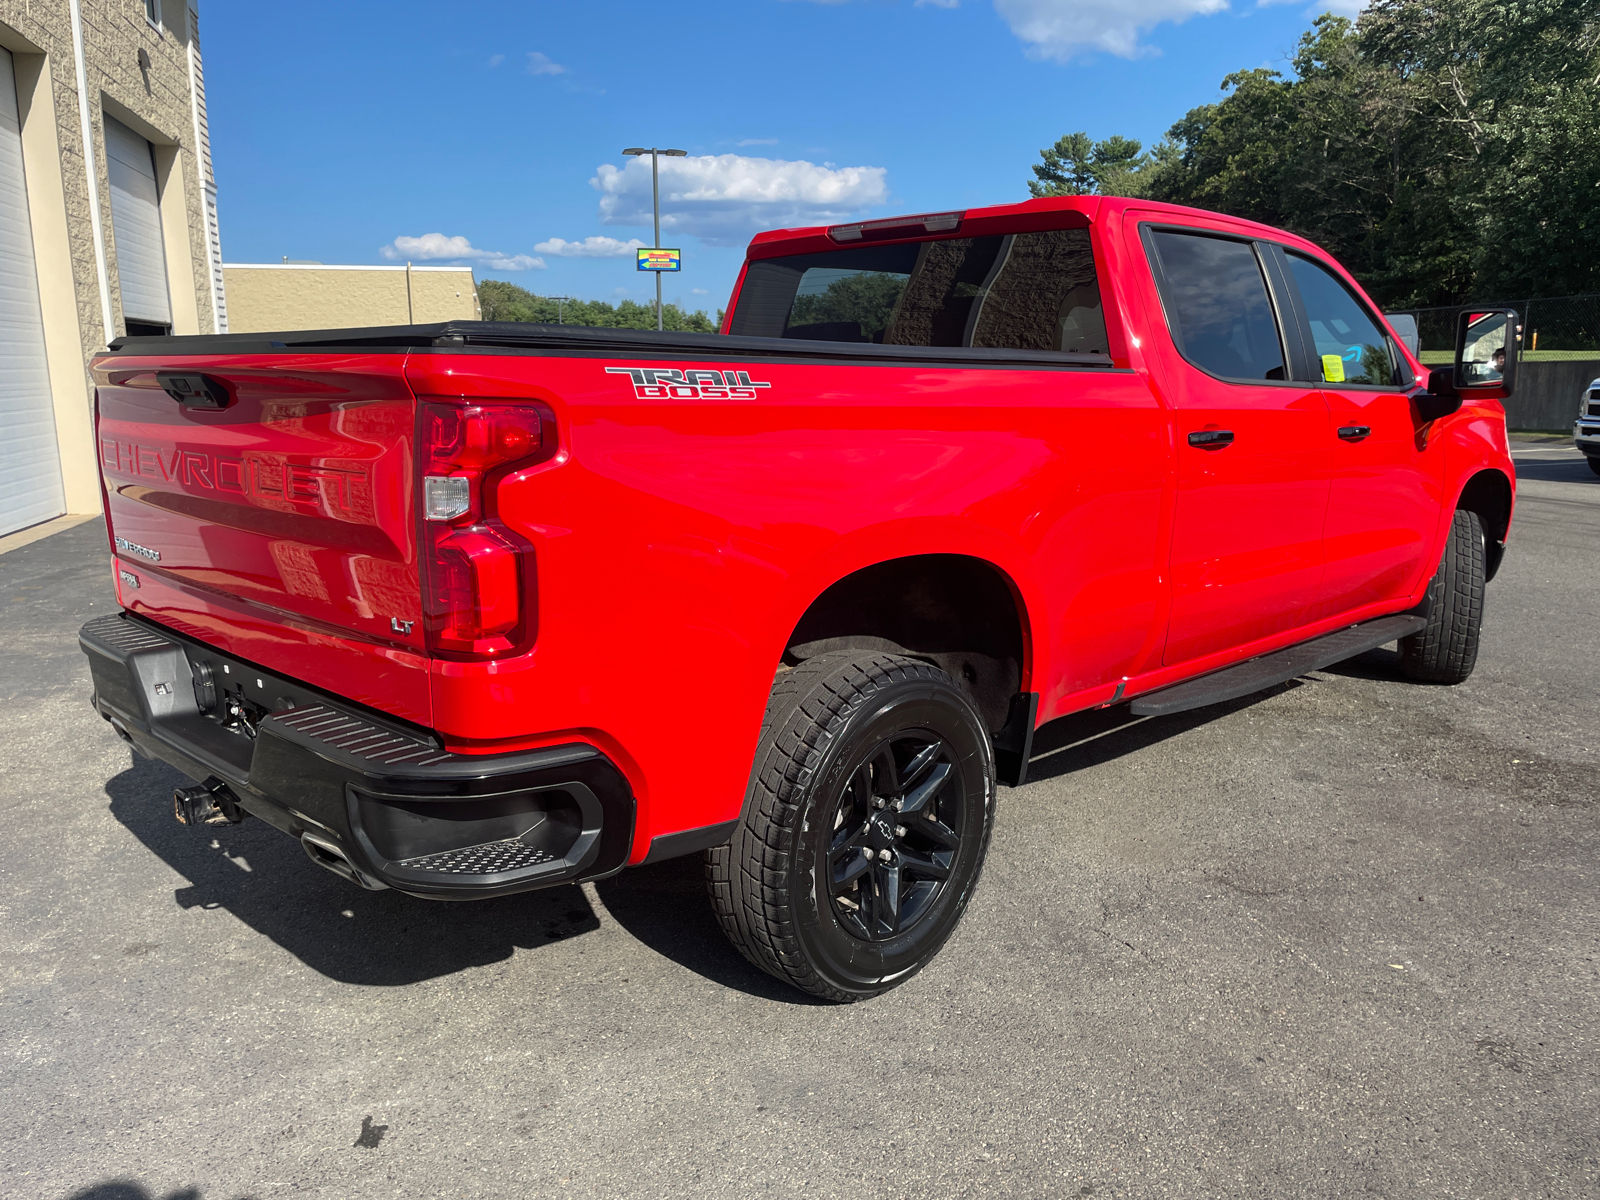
(560, 304)
(655, 196)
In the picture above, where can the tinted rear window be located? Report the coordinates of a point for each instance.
(1217, 306)
(1025, 291)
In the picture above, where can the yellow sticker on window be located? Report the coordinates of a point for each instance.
(1332, 368)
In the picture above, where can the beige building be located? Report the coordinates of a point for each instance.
(108, 222)
(268, 297)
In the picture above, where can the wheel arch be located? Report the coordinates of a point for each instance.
(1488, 493)
(962, 612)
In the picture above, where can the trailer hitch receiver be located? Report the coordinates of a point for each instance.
(206, 804)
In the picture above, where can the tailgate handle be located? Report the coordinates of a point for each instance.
(195, 391)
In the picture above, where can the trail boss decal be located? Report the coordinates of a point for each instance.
(668, 383)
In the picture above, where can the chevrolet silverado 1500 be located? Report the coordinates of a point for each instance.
(475, 608)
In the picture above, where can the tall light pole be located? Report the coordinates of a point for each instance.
(655, 195)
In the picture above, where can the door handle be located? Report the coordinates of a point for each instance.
(1354, 433)
(1211, 439)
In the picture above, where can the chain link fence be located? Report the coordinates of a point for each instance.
(1548, 323)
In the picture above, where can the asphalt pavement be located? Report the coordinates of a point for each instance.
(1336, 940)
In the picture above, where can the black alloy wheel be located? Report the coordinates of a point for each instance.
(896, 829)
(870, 808)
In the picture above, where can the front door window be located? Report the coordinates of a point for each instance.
(1350, 347)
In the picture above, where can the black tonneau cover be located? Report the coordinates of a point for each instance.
(512, 337)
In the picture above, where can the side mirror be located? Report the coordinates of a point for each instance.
(1487, 345)
(1441, 399)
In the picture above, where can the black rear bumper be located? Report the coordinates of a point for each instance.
(375, 800)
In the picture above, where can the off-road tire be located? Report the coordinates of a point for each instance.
(775, 885)
(1447, 649)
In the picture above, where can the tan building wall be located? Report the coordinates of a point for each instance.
(76, 63)
(264, 298)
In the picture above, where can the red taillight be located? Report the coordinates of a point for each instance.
(479, 597)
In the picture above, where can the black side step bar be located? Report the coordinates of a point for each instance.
(1257, 674)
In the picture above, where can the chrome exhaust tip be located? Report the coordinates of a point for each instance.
(327, 854)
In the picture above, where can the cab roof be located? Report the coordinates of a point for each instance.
(1052, 212)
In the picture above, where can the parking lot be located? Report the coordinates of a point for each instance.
(1338, 939)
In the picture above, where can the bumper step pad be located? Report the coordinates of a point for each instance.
(487, 859)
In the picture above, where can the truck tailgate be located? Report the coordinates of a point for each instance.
(264, 504)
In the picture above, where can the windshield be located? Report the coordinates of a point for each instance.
(1025, 291)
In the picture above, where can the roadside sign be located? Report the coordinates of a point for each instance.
(651, 259)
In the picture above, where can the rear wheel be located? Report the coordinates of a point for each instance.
(1447, 649)
(870, 809)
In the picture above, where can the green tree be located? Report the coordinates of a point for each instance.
(866, 298)
(1444, 150)
(1078, 166)
(502, 301)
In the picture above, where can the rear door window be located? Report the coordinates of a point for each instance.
(1025, 291)
(1351, 347)
(1217, 305)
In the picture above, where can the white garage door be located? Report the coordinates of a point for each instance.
(136, 227)
(30, 469)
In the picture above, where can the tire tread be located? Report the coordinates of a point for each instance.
(1446, 651)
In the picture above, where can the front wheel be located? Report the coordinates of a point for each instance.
(1446, 649)
(1594, 462)
(870, 809)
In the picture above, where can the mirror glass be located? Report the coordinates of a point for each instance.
(1483, 347)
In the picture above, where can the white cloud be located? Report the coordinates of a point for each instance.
(1345, 8)
(590, 247)
(516, 262)
(540, 63)
(496, 59)
(759, 142)
(699, 292)
(432, 246)
(723, 198)
(1064, 29)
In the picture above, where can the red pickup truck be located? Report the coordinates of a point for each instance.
(475, 608)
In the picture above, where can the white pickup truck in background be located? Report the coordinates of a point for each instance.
(1586, 430)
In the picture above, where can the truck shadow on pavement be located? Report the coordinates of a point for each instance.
(122, 1190)
(665, 906)
(382, 939)
(1382, 665)
(387, 939)
(1100, 735)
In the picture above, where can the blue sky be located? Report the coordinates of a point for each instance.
(490, 133)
